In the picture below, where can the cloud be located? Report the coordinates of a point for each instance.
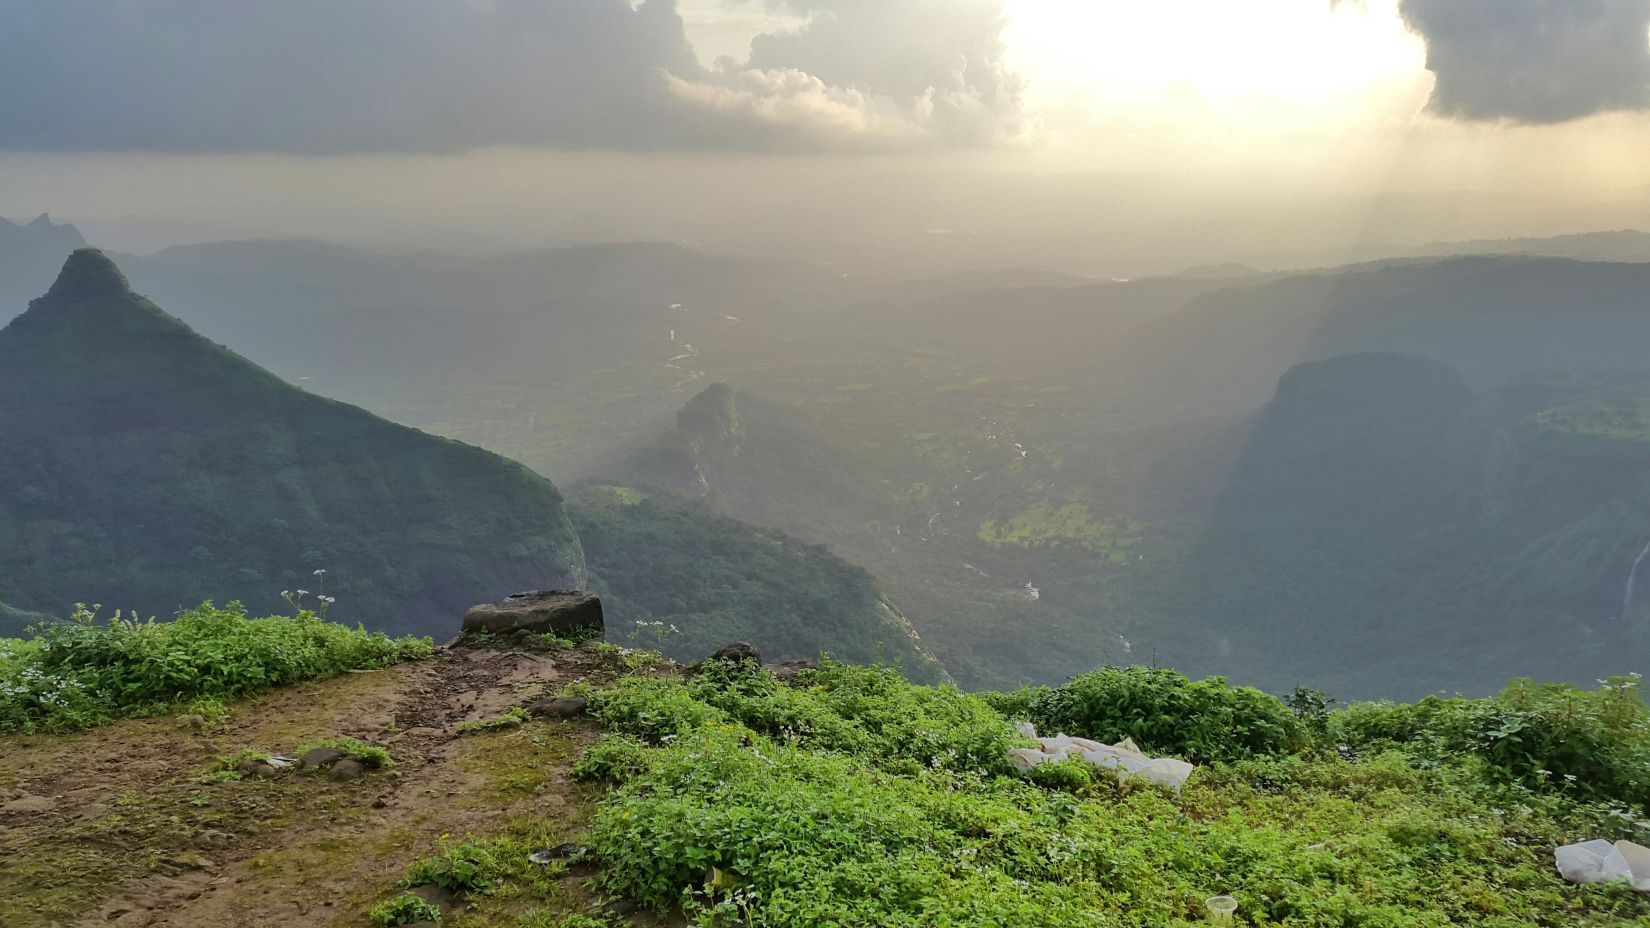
(1534, 61)
(347, 76)
(939, 62)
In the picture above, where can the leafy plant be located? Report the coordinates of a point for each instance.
(615, 758)
(1071, 775)
(371, 756)
(224, 769)
(861, 800)
(405, 909)
(1164, 712)
(1311, 707)
(470, 866)
(1542, 736)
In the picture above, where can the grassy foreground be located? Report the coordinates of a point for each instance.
(851, 797)
(855, 798)
(76, 674)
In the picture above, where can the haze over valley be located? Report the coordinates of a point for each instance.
(1382, 479)
(825, 463)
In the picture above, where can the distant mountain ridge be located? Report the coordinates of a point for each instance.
(29, 254)
(147, 468)
(1491, 318)
(1624, 245)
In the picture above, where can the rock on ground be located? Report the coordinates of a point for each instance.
(538, 611)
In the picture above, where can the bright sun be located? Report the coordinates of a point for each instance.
(1122, 53)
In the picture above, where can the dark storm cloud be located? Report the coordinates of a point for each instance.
(341, 76)
(1534, 61)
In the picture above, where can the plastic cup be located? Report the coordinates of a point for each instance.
(1220, 909)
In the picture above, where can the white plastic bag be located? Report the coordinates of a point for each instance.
(1123, 757)
(1027, 758)
(1128, 761)
(1599, 861)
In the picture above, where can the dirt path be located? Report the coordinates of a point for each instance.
(116, 826)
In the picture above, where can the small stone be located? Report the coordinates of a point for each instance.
(321, 757)
(564, 708)
(347, 769)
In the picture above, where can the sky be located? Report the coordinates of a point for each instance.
(1095, 136)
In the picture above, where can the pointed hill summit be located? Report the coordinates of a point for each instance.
(130, 440)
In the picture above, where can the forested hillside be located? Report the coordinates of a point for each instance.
(1384, 527)
(146, 468)
(677, 576)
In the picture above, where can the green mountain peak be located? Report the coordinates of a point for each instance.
(146, 466)
(89, 275)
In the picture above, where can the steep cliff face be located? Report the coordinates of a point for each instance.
(1385, 524)
(1352, 434)
(147, 468)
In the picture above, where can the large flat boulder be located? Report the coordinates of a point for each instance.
(545, 612)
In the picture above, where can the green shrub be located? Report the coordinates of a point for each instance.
(800, 837)
(1014, 705)
(615, 759)
(405, 909)
(80, 673)
(872, 711)
(652, 708)
(931, 726)
(1165, 713)
(858, 800)
(471, 866)
(1071, 775)
(1545, 737)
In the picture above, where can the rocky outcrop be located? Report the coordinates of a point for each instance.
(711, 416)
(552, 612)
(738, 652)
